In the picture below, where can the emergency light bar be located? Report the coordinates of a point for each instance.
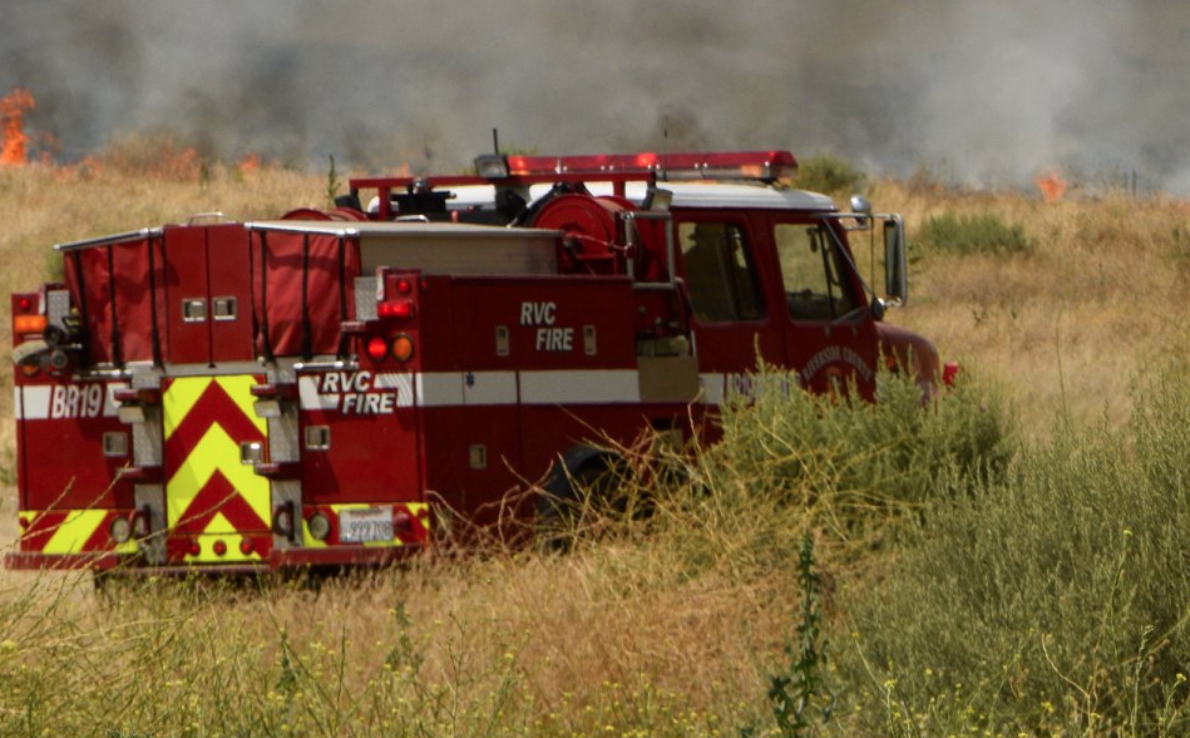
(762, 166)
(494, 169)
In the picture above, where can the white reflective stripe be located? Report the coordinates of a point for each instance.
(110, 406)
(35, 404)
(492, 388)
(489, 388)
(580, 387)
(439, 389)
(202, 370)
(402, 383)
(311, 399)
(712, 388)
(564, 387)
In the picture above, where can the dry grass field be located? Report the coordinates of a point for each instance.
(674, 633)
(1066, 325)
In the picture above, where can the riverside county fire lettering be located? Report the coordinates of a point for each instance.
(359, 393)
(549, 337)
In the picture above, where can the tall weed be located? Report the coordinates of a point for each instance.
(853, 468)
(1053, 599)
(980, 233)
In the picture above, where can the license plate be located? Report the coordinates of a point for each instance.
(366, 525)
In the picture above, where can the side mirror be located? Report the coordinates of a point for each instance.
(896, 279)
(863, 209)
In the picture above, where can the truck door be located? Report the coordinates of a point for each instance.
(207, 287)
(830, 335)
(216, 506)
(722, 265)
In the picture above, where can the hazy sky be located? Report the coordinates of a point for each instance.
(977, 91)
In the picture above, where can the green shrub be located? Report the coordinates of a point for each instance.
(973, 234)
(790, 461)
(1053, 600)
(830, 174)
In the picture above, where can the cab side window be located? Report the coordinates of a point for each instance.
(817, 279)
(720, 272)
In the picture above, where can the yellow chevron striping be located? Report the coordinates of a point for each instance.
(178, 400)
(184, 393)
(239, 388)
(216, 451)
(76, 529)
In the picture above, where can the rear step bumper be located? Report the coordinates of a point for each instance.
(277, 560)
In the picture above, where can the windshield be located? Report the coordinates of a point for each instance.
(818, 285)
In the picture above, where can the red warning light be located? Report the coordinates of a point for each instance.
(377, 348)
(395, 308)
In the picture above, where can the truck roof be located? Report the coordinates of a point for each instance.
(685, 195)
(725, 195)
(412, 229)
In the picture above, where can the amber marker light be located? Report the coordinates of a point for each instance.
(402, 348)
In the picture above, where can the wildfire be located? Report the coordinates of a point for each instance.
(14, 146)
(1052, 187)
(249, 165)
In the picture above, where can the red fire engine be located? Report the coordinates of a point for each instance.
(323, 388)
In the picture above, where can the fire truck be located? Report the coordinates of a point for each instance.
(328, 388)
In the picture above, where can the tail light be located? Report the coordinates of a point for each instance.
(25, 325)
(402, 347)
(246, 546)
(220, 548)
(377, 348)
(283, 520)
(403, 522)
(120, 530)
(320, 526)
(28, 320)
(399, 308)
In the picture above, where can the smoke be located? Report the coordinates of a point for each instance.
(987, 93)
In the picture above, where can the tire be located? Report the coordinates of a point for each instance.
(577, 496)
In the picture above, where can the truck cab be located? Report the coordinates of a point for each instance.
(767, 273)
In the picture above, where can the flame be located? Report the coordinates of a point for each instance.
(249, 165)
(171, 160)
(1052, 187)
(15, 143)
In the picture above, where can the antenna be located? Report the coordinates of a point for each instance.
(496, 140)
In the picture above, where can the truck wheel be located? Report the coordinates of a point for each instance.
(583, 488)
